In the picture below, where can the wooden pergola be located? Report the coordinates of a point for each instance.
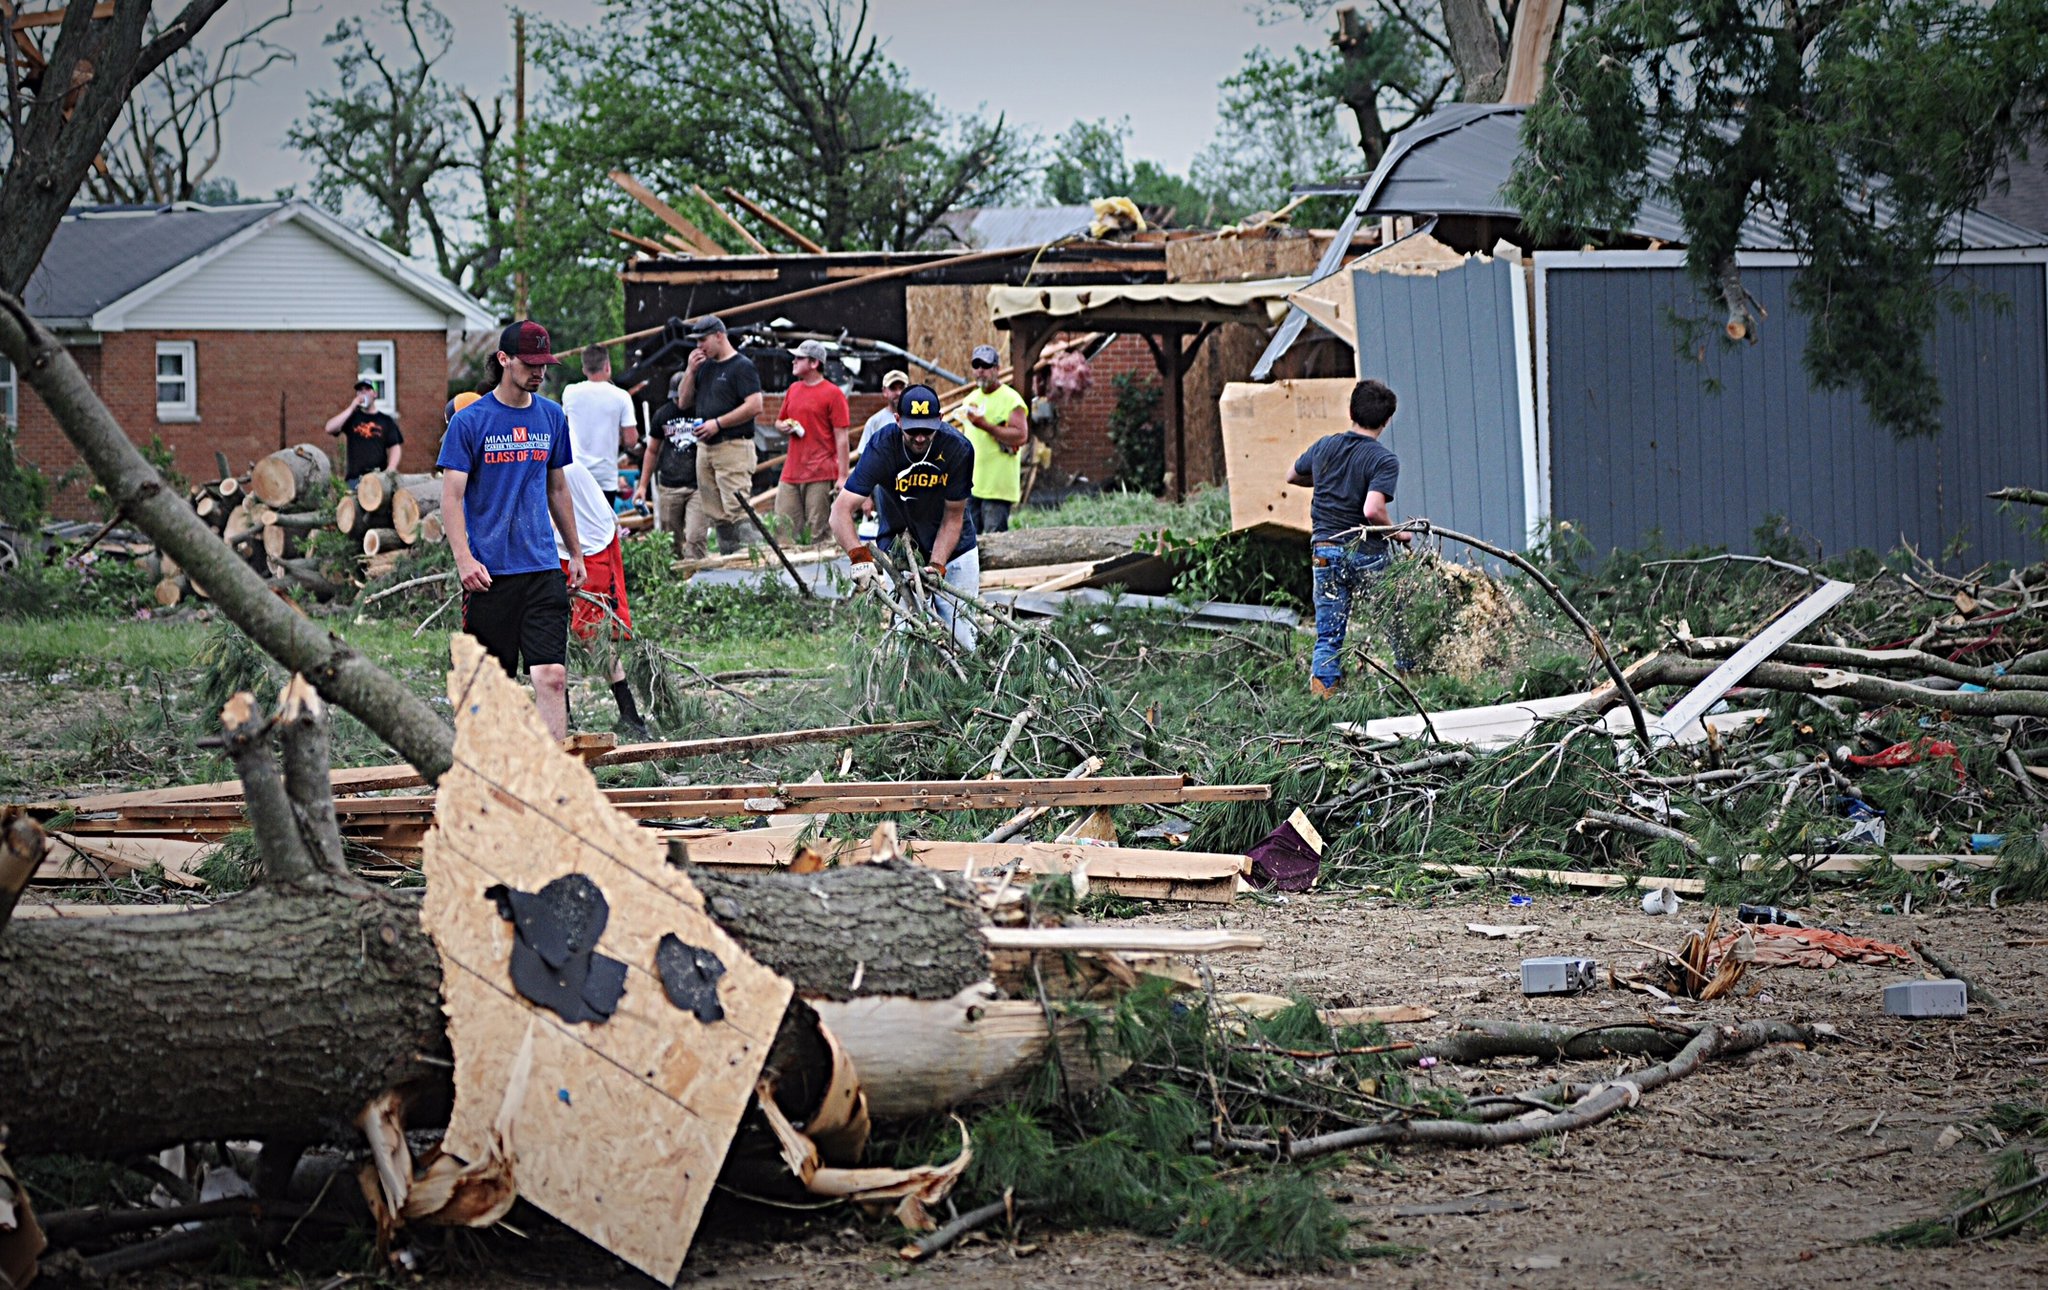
(1174, 319)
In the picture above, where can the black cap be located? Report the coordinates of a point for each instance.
(709, 325)
(366, 385)
(918, 409)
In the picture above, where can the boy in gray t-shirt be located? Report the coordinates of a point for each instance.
(1353, 476)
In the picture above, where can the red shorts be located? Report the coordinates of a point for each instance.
(604, 576)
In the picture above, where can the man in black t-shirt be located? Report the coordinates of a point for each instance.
(373, 437)
(1353, 475)
(668, 477)
(723, 392)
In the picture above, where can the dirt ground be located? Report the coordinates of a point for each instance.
(1772, 1168)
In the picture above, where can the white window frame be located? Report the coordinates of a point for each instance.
(187, 408)
(10, 394)
(383, 375)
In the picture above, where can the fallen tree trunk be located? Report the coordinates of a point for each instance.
(1028, 548)
(281, 1013)
(289, 474)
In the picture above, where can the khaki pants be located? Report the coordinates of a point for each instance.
(682, 518)
(806, 508)
(725, 474)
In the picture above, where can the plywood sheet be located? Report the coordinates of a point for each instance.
(1243, 259)
(1265, 429)
(624, 1124)
(945, 323)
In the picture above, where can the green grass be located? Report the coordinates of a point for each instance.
(89, 648)
(1208, 511)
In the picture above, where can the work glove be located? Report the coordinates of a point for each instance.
(863, 568)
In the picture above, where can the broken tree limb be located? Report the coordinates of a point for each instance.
(302, 735)
(1978, 992)
(1060, 544)
(1592, 633)
(246, 729)
(2027, 496)
(1602, 1102)
(1754, 651)
(1910, 660)
(22, 844)
(343, 676)
(1671, 669)
(1645, 828)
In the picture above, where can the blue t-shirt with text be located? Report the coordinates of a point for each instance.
(914, 488)
(507, 454)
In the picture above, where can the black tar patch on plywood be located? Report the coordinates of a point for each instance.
(689, 976)
(555, 962)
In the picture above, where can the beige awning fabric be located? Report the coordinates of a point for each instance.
(1187, 303)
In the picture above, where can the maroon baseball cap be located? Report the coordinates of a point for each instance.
(528, 342)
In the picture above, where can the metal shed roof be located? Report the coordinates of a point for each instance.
(1456, 160)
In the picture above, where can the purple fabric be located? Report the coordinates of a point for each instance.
(1284, 862)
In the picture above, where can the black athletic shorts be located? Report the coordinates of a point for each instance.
(521, 617)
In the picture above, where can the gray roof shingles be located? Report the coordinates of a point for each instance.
(101, 254)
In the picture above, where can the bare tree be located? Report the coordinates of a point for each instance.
(168, 138)
(61, 104)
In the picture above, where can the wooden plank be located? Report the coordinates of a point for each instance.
(1194, 876)
(1760, 647)
(72, 858)
(1569, 878)
(1135, 940)
(696, 278)
(620, 1128)
(634, 239)
(734, 224)
(372, 779)
(761, 213)
(693, 236)
(52, 17)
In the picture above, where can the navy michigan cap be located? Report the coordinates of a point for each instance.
(918, 409)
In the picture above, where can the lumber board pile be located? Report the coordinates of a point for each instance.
(110, 834)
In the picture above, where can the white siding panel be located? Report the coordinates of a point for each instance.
(287, 278)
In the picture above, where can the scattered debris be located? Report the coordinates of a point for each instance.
(1926, 999)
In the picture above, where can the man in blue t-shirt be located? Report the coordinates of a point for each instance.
(1353, 475)
(501, 485)
(924, 471)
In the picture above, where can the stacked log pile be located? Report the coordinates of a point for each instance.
(270, 514)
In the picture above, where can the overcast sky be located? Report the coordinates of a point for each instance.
(1042, 62)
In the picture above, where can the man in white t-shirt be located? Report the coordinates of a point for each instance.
(601, 602)
(600, 417)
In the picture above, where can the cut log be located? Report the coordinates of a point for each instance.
(1020, 548)
(405, 517)
(289, 474)
(279, 542)
(309, 575)
(275, 1014)
(169, 591)
(431, 531)
(382, 541)
(348, 517)
(228, 486)
(240, 523)
(302, 521)
(209, 509)
(373, 490)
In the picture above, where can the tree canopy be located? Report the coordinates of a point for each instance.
(1862, 126)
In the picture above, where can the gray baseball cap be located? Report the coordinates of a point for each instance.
(812, 349)
(986, 354)
(710, 325)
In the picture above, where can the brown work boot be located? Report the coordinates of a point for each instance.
(1322, 690)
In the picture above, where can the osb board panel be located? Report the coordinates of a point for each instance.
(1227, 356)
(1265, 429)
(624, 1124)
(1239, 259)
(944, 324)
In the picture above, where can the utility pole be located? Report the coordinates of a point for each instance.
(519, 165)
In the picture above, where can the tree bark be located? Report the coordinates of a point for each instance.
(62, 132)
(1669, 669)
(1477, 50)
(281, 1012)
(1027, 548)
(343, 676)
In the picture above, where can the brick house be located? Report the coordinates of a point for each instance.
(237, 330)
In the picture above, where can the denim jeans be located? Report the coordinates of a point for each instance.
(990, 516)
(963, 574)
(1341, 573)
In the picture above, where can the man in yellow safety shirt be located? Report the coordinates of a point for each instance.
(995, 419)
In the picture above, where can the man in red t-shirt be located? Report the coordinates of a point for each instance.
(815, 414)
